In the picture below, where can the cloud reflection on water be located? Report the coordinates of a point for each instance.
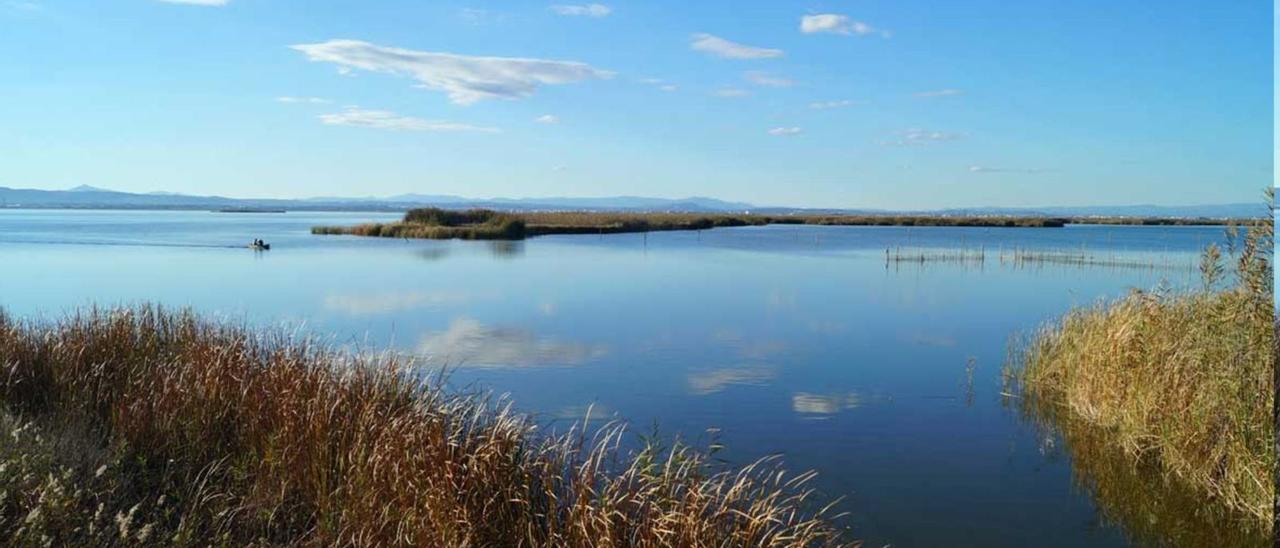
(579, 413)
(805, 402)
(469, 343)
(387, 302)
(808, 403)
(707, 382)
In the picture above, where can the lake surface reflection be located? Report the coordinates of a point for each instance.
(787, 339)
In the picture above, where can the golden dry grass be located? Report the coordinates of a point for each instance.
(143, 426)
(1183, 380)
(434, 223)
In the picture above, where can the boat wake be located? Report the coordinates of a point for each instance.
(123, 244)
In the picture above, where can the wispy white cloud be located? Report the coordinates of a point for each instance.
(584, 10)
(547, 119)
(785, 131)
(920, 137)
(731, 92)
(1022, 170)
(842, 103)
(307, 100)
(761, 78)
(659, 83)
(940, 93)
(719, 47)
(465, 78)
(385, 119)
(211, 3)
(835, 23)
(23, 5)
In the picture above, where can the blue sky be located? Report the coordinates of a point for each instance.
(859, 103)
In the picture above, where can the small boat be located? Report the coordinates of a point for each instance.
(260, 247)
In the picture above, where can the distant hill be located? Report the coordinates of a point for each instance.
(693, 203)
(87, 188)
(89, 197)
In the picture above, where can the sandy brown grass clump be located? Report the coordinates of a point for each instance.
(144, 426)
(1183, 380)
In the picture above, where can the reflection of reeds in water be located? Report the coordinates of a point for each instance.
(969, 368)
(506, 249)
(1135, 495)
(1030, 258)
(909, 255)
(1019, 257)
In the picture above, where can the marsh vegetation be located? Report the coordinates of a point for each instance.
(486, 224)
(143, 426)
(1182, 382)
(477, 224)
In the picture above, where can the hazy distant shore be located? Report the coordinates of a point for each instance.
(87, 197)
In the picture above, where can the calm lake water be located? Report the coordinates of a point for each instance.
(787, 339)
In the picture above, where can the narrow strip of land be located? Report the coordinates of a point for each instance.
(484, 224)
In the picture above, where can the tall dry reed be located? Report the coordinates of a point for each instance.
(1181, 379)
(146, 426)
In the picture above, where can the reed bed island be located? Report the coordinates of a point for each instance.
(1179, 382)
(142, 426)
(484, 224)
(487, 224)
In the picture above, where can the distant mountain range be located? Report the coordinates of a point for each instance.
(694, 203)
(88, 197)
